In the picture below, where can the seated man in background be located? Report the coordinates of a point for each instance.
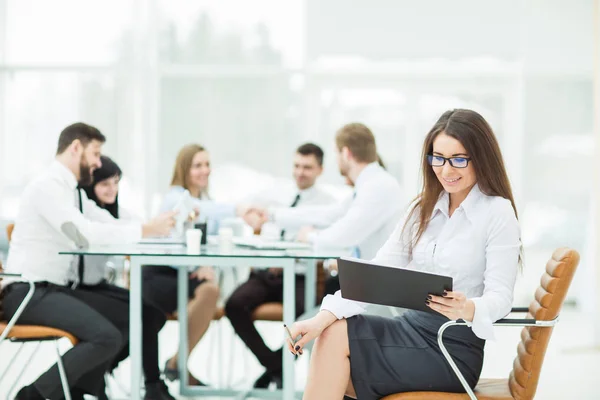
(361, 222)
(266, 286)
(332, 284)
(55, 215)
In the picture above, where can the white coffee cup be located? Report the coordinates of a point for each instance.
(193, 237)
(270, 231)
(225, 238)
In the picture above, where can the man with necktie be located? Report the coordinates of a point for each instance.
(361, 222)
(54, 215)
(266, 286)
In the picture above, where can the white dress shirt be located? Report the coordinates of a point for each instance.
(478, 246)
(96, 267)
(49, 221)
(364, 220)
(313, 196)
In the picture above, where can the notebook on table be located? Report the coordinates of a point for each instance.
(256, 242)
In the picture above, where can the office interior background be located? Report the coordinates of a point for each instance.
(251, 80)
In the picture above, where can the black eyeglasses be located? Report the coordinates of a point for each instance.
(455, 162)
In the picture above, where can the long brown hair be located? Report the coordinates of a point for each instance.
(183, 164)
(478, 139)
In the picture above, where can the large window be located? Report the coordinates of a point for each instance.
(251, 80)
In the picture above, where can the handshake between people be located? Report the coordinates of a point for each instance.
(256, 217)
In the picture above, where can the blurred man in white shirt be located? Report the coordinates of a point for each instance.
(265, 286)
(361, 222)
(55, 215)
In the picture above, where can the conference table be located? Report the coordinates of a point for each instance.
(146, 255)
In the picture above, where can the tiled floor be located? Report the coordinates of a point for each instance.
(570, 368)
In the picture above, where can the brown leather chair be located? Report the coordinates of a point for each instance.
(30, 333)
(542, 315)
(9, 230)
(219, 313)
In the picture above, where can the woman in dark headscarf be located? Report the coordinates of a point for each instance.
(104, 191)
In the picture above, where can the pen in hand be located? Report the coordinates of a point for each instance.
(292, 340)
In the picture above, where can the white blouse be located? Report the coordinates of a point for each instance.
(478, 246)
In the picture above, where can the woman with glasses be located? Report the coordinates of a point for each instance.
(463, 224)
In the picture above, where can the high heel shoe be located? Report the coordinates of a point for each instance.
(172, 374)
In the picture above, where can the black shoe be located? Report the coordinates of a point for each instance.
(263, 381)
(157, 391)
(277, 379)
(29, 393)
(172, 374)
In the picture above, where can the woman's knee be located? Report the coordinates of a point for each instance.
(235, 305)
(336, 331)
(208, 290)
(110, 339)
(335, 334)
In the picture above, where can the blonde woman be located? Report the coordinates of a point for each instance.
(191, 172)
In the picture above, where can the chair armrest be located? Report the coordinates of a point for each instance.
(525, 322)
(8, 275)
(21, 308)
(519, 310)
(501, 322)
(514, 321)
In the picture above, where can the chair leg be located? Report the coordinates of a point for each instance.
(61, 371)
(219, 346)
(20, 375)
(459, 375)
(14, 357)
(211, 350)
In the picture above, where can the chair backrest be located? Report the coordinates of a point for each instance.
(1, 296)
(549, 298)
(9, 230)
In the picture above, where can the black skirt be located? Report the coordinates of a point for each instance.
(395, 355)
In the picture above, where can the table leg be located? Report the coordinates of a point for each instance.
(289, 316)
(182, 319)
(135, 327)
(310, 288)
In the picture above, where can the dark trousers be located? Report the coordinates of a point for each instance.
(262, 287)
(99, 317)
(152, 322)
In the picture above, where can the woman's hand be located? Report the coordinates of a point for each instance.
(195, 213)
(453, 305)
(204, 273)
(309, 329)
